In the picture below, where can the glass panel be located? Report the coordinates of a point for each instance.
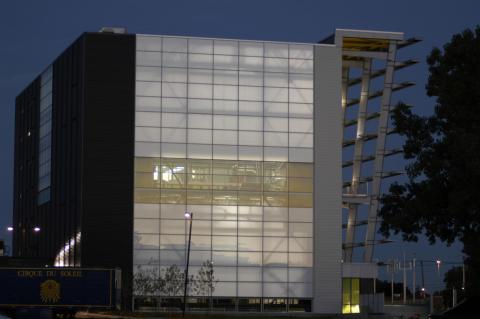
(251, 48)
(174, 44)
(300, 200)
(275, 259)
(275, 199)
(250, 93)
(301, 245)
(278, 229)
(226, 47)
(201, 211)
(146, 180)
(226, 122)
(250, 183)
(276, 109)
(301, 66)
(300, 185)
(300, 230)
(174, 75)
(147, 134)
(250, 78)
(276, 50)
(301, 140)
(250, 153)
(196, 181)
(200, 46)
(197, 258)
(301, 81)
(275, 214)
(300, 290)
(250, 108)
(201, 227)
(200, 91)
(226, 62)
(275, 169)
(173, 196)
(147, 119)
(199, 136)
(275, 274)
(225, 77)
(275, 184)
(175, 60)
(224, 258)
(250, 289)
(174, 104)
(276, 124)
(172, 257)
(200, 106)
(249, 243)
(226, 243)
(249, 274)
(225, 137)
(225, 152)
(145, 257)
(224, 213)
(146, 226)
(276, 79)
(276, 65)
(276, 94)
(200, 76)
(300, 275)
(146, 210)
(225, 92)
(176, 242)
(148, 73)
(172, 211)
(250, 198)
(300, 259)
(249, 259)
(301, 125)
(249, 123)
(301, 51)
(173, 150)
(224, 228)
(225, 289)
(279, 244)
(250, 138)
(174, 89)
(275, 139)
(147, 88)
(199, 151)
(251, 63)
(147, 149)
(249, 228)
(168, 226)
(301, 95)
(199, 197)
(227, 182)
(199, 121)
(149, 43)
(147, 103)
(174, 135)
(225, 107)
(149, 58)
(301, 215)
(202, 61)
(250, 213)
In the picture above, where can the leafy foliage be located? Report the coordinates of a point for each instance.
(148, 281)
(442, 195)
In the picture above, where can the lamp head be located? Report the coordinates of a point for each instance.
(10, 228)
(36, 229)
(188, 215)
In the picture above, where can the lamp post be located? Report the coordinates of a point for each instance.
(188, 215)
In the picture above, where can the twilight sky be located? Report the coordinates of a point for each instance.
(33, 33)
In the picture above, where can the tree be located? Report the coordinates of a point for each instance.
(205, 281)
(441, 198)
(144, 281)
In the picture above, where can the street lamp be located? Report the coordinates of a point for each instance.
(10, 228)
(36, 229)
(188, 215)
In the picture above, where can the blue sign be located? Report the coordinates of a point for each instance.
(61, 287)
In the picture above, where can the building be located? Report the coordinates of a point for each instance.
(122, 134)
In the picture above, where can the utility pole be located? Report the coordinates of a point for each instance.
(405, 268)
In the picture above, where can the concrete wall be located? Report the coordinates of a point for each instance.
(328, 180)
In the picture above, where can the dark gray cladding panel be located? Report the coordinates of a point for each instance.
(108, 146)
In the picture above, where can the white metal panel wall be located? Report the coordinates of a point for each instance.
(328, 177)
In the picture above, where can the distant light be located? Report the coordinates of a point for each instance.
(423, 289)
(10, 228)
(439, 262)
(36, 229)
(188, 215)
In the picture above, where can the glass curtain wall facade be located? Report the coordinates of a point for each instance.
(45, 137)
(224, 129)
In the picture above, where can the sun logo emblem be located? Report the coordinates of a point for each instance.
(50, 291)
